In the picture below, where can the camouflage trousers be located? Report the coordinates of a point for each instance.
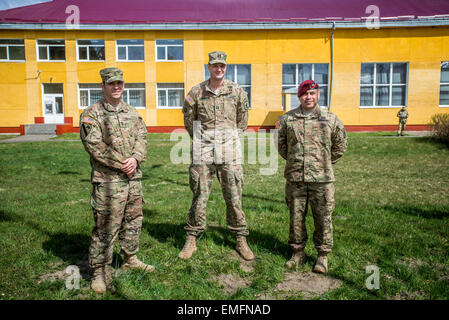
(298, 195)
(401, 126)
(201, 178)
(117, 208)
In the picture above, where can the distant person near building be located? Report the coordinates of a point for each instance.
(402, 115)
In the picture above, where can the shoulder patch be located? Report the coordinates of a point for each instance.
(189, 99)
(88, 120)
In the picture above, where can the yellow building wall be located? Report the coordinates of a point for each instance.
(266, 50)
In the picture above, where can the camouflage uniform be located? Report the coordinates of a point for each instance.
(216, 150)
(311, 144)
(110, 135)
(402, 115)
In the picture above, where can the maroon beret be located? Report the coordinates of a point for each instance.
(306, 85)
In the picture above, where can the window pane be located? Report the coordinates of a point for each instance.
(50, 42)
(304, 72)
(170, 85)
(87, 42)
(3, 53)
(12, 41)
(59, 105)
(134, 41)
(230, 72)
(175, 53)
(382, 96)
(43, 53)
(125, 96)
(137, 98)
(57, 53)
(399, 73)
(95, 95)
(398, 96)
(444, 95)
(50, 88)
(367, 74)
(445, 71)
(244, 74)
(135, 85)
(323, 96)
(321, 73)
(289, 74)
(174, 98)
(82, 52)
(121, 51)
(162, 98)
(169, 41)
(383, 73)
(135, 53)
(161, 53)
(96, 53)
(366, 96)
(17, 53)
(84, 98)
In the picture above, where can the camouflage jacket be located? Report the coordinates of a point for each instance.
(221, 116)
(402, 115)
(110, 137)
(311, 144)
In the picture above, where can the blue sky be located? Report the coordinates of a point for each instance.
(8, 4)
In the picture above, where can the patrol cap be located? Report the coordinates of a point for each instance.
(217, 57)
(109, 75)
(306, 85)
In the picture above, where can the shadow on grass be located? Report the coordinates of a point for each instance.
(418, 212)
(221, 236)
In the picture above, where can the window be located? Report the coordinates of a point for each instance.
(444, 84)
(90, 50)
(294, 74)
(383, 84)
(134, 94)
(239, 73)
(51, 50)
(130, 50)
(12, 50)
(170, 95)
(89, 93)
(170, 50)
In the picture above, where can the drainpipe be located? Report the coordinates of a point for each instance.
(332, 66)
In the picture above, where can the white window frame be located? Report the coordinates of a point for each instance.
(166, 50)
(442, 83)
(390, 85)
(297, 83)
(78, 46)
(7, 50)
(166, 93)
(48, 50)
(135, 89)
(88, 94)
(127, 53)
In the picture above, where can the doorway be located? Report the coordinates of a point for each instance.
(53, 103)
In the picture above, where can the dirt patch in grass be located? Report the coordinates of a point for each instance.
(231, 283)
(416, 295)
(246, 266)
(411, 262)
(308, 284)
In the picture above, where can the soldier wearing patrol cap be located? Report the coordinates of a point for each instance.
(402, 115)
(215, 115)
(114, 135)
(311, 140)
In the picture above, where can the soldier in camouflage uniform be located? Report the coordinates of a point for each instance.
(114, 135)
(402, 115)
(311, 140)
(215, 115)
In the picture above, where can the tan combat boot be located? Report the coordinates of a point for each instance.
(243, 248)
(131, 262)
(321, 263)
(98, 280)
(189, 247)
(296, 259)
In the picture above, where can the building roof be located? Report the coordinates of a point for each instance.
(200, 13)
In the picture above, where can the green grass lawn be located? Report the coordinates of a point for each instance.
(392, 209)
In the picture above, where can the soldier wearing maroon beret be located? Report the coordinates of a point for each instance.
(311, 139)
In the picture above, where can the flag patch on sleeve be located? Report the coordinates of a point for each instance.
(189, 99)
(88, 120)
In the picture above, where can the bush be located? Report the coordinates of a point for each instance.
(440, 125)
